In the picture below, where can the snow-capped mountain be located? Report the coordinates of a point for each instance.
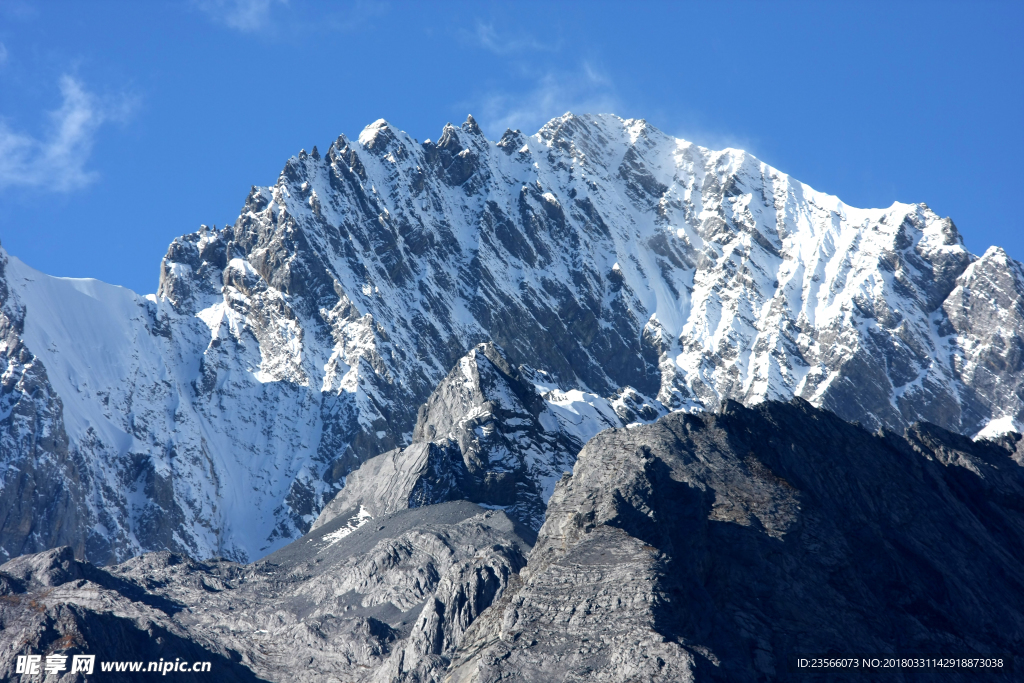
(628, 272)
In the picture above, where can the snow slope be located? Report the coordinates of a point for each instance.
(160, 466)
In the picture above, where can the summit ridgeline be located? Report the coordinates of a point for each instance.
(623, 274)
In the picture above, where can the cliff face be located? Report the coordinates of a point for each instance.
(626, 272)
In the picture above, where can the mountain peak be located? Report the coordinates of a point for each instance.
(471, 127)
(372, 130)
(619, 274)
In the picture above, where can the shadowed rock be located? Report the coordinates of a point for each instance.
(714, 547)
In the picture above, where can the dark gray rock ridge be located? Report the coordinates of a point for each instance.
(713, 546)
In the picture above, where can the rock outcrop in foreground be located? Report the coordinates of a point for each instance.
(702, 547)
(349, 602)
(713, 547)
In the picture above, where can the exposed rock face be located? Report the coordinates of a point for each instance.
(383, 602)
(220, 415)
(713, 547)
(484, 435)
(986, 311)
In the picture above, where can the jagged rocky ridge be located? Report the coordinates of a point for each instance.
(486, 435)
(703, 547)
(220, 415)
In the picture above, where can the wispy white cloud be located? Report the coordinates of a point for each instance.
(279, 19)
(58, 160)
(489, 38)
(585, 90)
(715, 140)
(689, 124)
(248, 16)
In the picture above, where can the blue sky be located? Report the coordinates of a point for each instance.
(125, 124)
